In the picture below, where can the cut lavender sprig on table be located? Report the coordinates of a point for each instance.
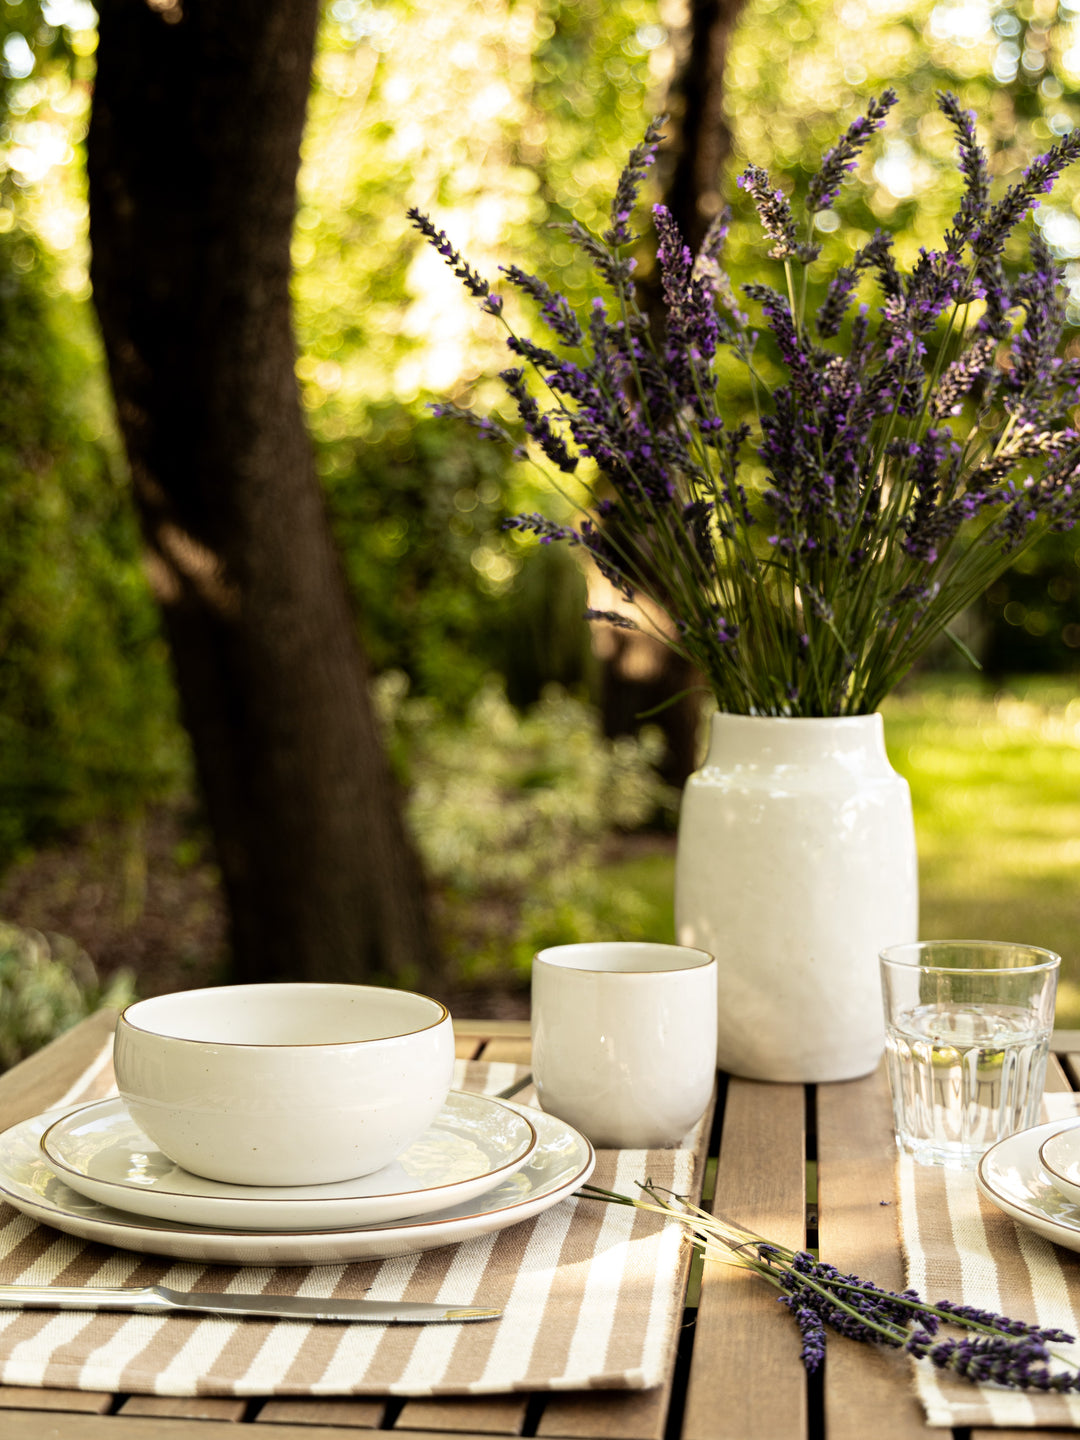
(919, 436)
(994, 1349)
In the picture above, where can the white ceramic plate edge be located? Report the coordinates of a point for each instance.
(1065, 1233)
(307, 1213)
(299, 1248)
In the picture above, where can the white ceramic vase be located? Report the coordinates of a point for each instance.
(796, 865)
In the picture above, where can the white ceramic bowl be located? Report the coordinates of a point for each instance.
(284, 1084)
(1059, 1156)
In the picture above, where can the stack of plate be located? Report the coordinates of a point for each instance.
(1034, 1176)
(483, 1165)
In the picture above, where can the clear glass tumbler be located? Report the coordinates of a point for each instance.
(967, 1033)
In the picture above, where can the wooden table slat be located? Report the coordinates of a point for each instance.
(868, 1391)
(34, 1085)
(185, 1407)
(488, 1029)
(33, 1397)
(743, 1383)
(628, 1415)
(28, 1425)
(517, 1050)
(995, 1434)
(484, 1414)
(346, 1412)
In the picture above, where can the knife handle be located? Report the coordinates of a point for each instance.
(80, 1297)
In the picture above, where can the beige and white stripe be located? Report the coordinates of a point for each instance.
(960, 1247)
(591, 1296)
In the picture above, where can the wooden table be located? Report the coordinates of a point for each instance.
(801, 1164)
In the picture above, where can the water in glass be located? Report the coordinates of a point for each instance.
(963, 1077)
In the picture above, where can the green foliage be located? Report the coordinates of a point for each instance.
(532, 101)
(87, 715)
(438, 596)
(47, 984)
(1031, 616)
(511, 812)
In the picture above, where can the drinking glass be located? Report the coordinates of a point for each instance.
(967, 1027)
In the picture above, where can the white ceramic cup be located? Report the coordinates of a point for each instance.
(624, 1039)
(284, 1084)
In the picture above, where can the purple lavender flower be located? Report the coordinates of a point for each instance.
(974, 169)
(692, 329)
(959, 377)
(880, 522)
(475, 283)
(774, 211)
(988, 239)
(812, 1329)
(488, 428)
(839, 162)
(630, 181)
(612, 617)
(556, 309)
(994, 1321)
(1034, 371)
(539, 525)
(830, 315)
(537, 422)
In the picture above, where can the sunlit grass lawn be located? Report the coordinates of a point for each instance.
(995, 781)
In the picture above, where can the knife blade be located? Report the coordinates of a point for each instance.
(160, 1300)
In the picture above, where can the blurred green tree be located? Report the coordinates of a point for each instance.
(87, 716)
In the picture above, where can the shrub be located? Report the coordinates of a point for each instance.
(47, 984)
(512, 810)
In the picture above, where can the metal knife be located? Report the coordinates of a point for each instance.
(159, 1300)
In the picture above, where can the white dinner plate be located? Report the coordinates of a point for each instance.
(475, 1142)
(562, 1161)
(1011, 1176)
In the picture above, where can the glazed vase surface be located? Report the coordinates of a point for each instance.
(796, 865)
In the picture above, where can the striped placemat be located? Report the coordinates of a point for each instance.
(591, 1295)
(960, 1247)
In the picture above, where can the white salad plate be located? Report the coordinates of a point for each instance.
(1011, 1176)
(562, 1161)
(473, 1143)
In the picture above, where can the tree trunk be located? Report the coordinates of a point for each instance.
(193, 156)
(701, 143)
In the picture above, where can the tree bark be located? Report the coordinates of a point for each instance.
(702, 140)
(194, 148)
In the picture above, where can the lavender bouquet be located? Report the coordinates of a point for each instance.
(905, 458)
(990, 1348)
